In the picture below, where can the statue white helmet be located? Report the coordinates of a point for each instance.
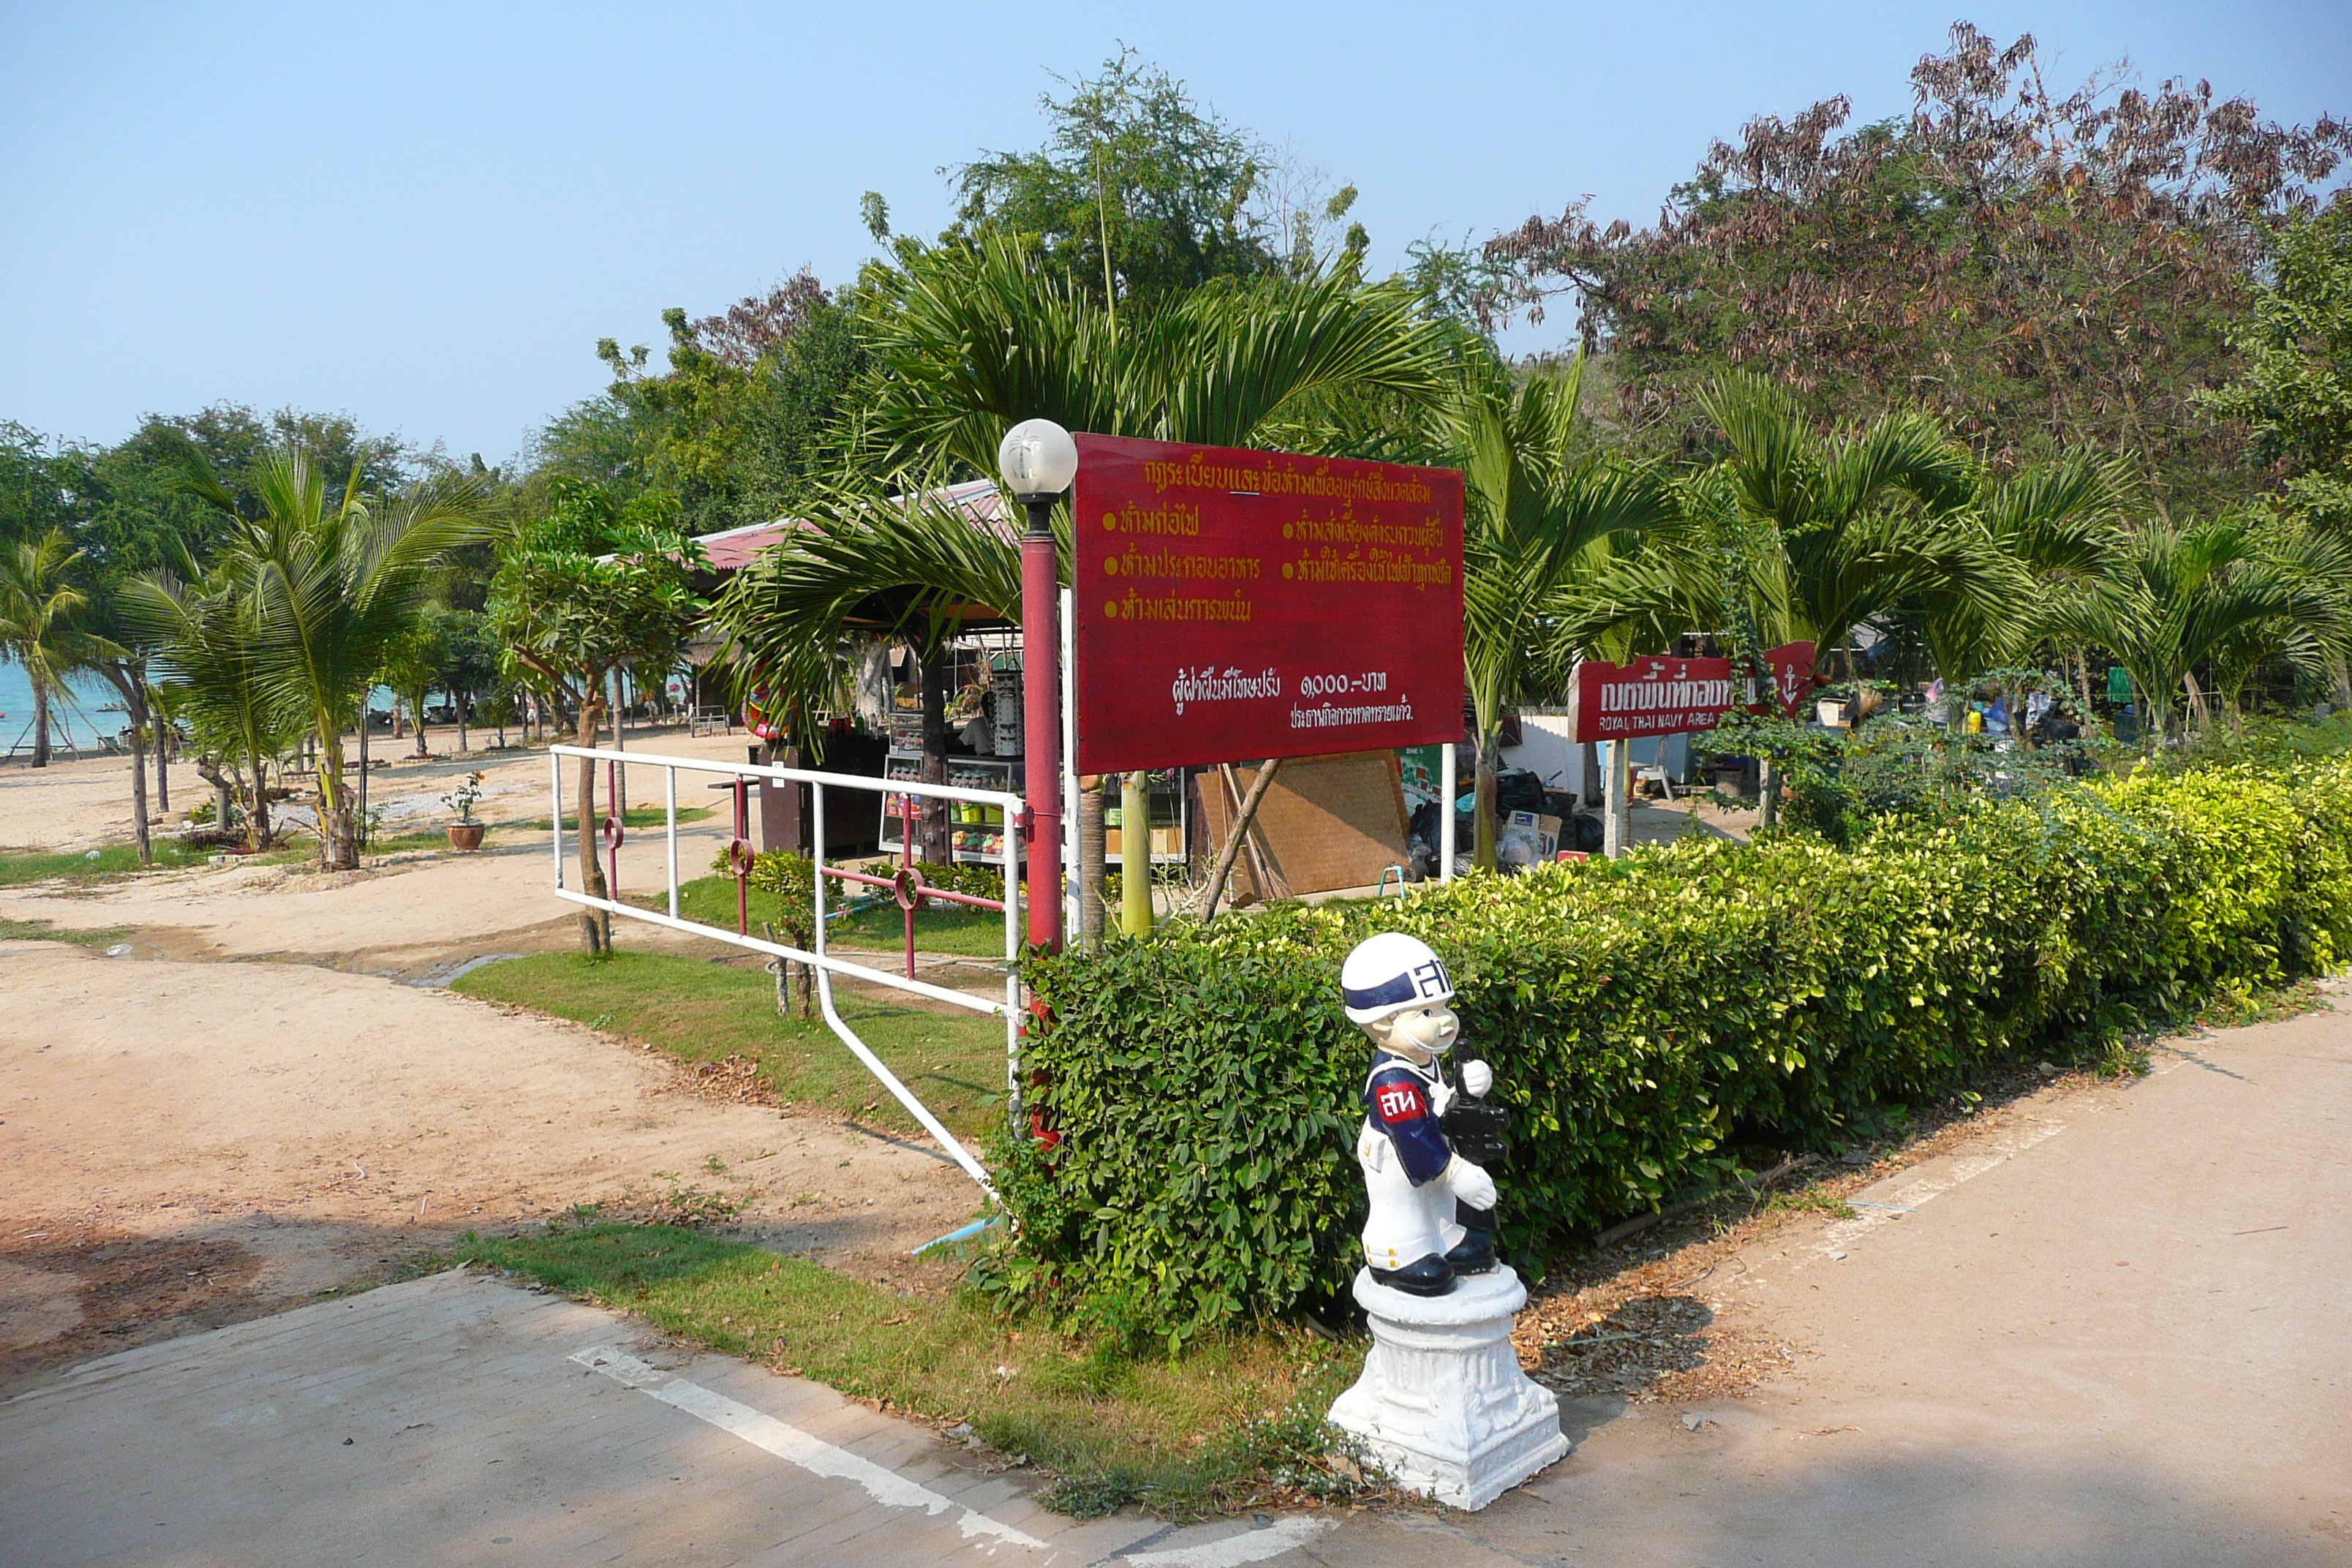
(1390, 973)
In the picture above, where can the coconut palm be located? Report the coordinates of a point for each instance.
(336, 581)
(974, 338)
(2315, 637)
(208, 639)
(39, 610)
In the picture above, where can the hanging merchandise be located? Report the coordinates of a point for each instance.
(1004, 686)
(764, 715)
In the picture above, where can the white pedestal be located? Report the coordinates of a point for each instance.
(1443, 1404)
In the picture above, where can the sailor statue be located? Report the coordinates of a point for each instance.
(1432, 1207)
(1442, 1404)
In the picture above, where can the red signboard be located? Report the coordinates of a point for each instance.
(1670, 696)
(1234, 604)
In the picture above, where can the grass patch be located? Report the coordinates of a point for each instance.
(421, 838)
(2235, 1007)
(1808, 1199)
(697, 1011)
(636, 817)
(942, 928)
(42, 931)
(20, 866)
(1235, 1421)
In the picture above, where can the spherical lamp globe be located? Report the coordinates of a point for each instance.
(1037, 458)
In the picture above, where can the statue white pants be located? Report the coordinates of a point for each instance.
(1407, 1222)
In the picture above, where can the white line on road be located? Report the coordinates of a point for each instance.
(1839, 1238)
(794, 1446)
(1234, 1550)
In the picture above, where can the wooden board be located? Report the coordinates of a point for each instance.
(1328, 822)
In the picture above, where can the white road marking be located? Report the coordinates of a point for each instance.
(1251, 1546)
(1839, 1238)
(795, 1447)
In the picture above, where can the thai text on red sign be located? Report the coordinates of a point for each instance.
(1234, 604)
(1674, 695)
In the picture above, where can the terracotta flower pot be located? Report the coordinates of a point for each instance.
(466, 835)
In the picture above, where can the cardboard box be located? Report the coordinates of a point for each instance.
(1541, 834)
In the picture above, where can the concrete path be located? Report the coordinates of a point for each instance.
(460, 1420)
(2112, 1334)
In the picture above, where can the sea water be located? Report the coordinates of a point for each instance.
(77, 714)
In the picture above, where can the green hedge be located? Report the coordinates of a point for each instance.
(1642, 1015)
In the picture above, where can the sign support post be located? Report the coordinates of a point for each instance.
(1134, 853)
(1617, 807)
(1446, 785)
(1073, 896)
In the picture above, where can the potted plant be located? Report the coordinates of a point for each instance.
(464, 833)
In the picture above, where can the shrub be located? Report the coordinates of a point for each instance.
(1642, 1017)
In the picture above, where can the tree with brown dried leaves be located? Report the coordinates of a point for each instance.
(2047, 271)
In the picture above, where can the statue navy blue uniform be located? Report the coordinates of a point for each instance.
(1422, 1189)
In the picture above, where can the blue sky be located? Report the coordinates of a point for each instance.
(425, 216)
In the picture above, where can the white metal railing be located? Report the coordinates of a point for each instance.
(820, 961)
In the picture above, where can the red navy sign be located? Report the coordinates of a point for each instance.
(1672, 695)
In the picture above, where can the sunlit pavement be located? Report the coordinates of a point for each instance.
(2111, 1335)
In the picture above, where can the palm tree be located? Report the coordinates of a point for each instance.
(336, 583)
(2226, 590)
(2049, 532)
(2316, 635)
(38, 610)
(978, 337)
(207, 637)
(1824, 533)
(1548, 538)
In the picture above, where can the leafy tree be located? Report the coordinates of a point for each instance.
(337, 580)
(32, 500)
(595, 584)
(2295, 394)
(39, 608)
(412, 666)
(2047, 272)
(470, 661)
(1139, 195)
(748, 409)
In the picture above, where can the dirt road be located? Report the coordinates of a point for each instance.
(259, 1097)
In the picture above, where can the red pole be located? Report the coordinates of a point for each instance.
(907, 859)
(1041, 719)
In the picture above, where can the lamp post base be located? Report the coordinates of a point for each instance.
(1442, 1405)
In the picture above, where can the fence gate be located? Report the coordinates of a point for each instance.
(907, 886)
